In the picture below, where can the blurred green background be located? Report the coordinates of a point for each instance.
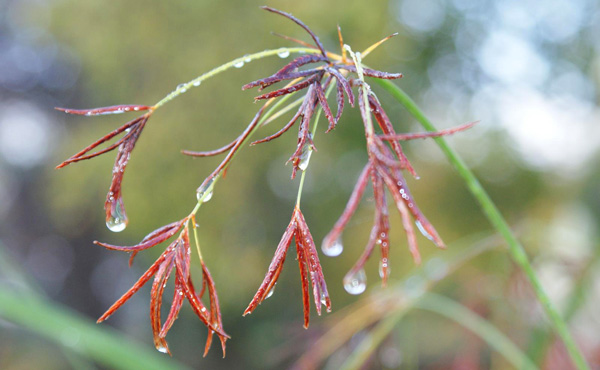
(529, 71)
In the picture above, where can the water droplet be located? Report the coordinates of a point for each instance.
(356, 283)
(181, 88)
(383, 265)
(305, 155)
(271, 292)
(247, 58)
(197, 83)
(423, 231)
(332, 249)
(239, 64)
(161, 348)
(282, 53)
(324, 298)
(117, 221)
(202, 194)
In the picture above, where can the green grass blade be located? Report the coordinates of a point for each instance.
(59, 324)
(515, 249)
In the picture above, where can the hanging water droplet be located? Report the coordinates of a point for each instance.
(181, 88)
(271, 291)
(161, 348)
(197, 83)
(324, 298)
(423, 231)
(282, 53)
(247, 58)
(356, 283)
(205, 191)
(332, 249)
(305, 155)
(239, 64)
(383, 266)
(117, 221)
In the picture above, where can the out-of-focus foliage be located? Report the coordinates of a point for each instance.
(529, 70)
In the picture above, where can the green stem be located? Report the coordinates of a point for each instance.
(224, 67)
(515, 249)
(69, 329)
(540, 340)
(482, 328)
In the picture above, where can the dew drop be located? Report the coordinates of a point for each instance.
(283, 53)
(181, 88)
(197, 83)
(356, 283)
(247, 58)
(161, 349)
(384, 266)
(332, 249)
(117, 221)
(423, 231)
(324, 299)
(205, 191)
(239, 64)
(270, 292)
(305, 155)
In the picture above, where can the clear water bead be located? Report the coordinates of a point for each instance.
(162, 349)
(239, 64)
(117, 221)
(283, 53)
(356, 283)
(324, 299)
(270, 294)
(423, 231)
(205, 191)
(197, 83)
(383, 265)
(332, 249)
(305, 155)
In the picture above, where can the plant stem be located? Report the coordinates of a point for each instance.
(515, 249)
(540, 340)
(224, 67)
(314, 131)
(78, 334)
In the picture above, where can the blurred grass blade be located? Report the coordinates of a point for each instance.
(481, 327)
(79, 334)
(540, 340)
(397, 298)
(515, 249)
(450, 309)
